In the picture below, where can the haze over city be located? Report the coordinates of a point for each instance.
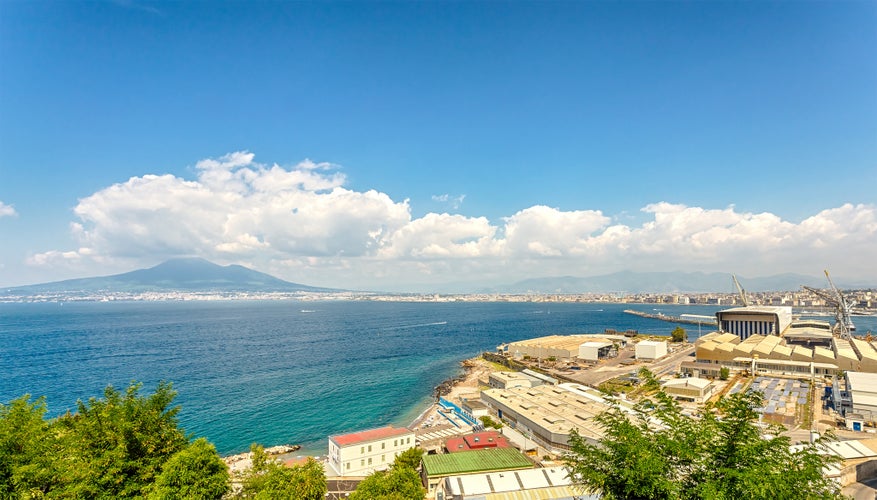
(392, 145)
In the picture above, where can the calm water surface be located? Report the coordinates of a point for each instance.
(284, 371)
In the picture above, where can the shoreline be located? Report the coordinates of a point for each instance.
(453, 388)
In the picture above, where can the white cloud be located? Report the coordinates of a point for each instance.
(454, 202)
(301, 223)
(7, 210)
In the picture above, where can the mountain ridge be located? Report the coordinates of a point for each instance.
(189, 274)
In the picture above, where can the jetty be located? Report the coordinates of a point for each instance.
(671, 319)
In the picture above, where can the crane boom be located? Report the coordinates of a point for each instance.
(843, 322)
(741, 291)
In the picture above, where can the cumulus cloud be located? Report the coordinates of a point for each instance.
(7, 210)
(300, 222)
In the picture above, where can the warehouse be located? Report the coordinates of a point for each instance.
(650, 350)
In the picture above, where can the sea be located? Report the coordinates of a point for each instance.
(282, 372)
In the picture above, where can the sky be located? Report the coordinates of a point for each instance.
(409, 145)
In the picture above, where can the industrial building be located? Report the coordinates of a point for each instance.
(560, 347)
(476, 441)
(438, 467)
(697, 390)
(754, 320)
(772, 354)
(650, 350)
(861, 396)
(594, 351)
(361, 453)
(547, 414)
(507, 380)
(543, 484)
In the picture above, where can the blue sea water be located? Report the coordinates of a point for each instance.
(277, 372)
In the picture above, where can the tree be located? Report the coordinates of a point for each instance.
(659, 453)
(123, 445)
(489, 422)
(398, 483)
(678, 334)
(410, 458)
(117, 445)
(724, 373)
(197, 471)
(27, 446)
(268, 479)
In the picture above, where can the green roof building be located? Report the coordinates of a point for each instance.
(437, 467)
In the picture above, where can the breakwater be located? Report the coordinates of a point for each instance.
(671, 319)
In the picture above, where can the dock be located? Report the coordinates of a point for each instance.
(671, 319)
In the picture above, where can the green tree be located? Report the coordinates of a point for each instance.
(196, 472)
(678, 334)
(398, 483)
(489, 422)
(270, 480)
(724, 373)
(28, 465)
(659, 453)
(410, 458)
(117, 445)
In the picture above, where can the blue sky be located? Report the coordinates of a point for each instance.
(479, 142)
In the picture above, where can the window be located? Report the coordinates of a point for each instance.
(362, 463)
(383, 458)
(348, 465)
(395, 443)
(408, 441)
(369, 461)
(383, 445)
(369, 448)
(362, 450)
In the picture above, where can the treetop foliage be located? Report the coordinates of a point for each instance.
(126, 445)
(659, 453)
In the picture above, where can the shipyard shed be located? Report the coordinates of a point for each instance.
(862, 388)
(594, 351)
(547, 483)
(867, 354)
(651, 350)
(693, 389)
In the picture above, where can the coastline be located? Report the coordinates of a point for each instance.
(475, 374)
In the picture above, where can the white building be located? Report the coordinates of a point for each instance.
(693, 389)
(361, 453)
(651, 350)
(594, 351)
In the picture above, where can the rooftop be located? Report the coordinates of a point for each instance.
(370, 435)
(468, 462)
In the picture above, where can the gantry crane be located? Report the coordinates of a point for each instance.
(843, 321)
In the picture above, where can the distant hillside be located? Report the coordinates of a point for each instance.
(664, 282)
(189, 275)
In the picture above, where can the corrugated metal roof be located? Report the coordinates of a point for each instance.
(468, 462)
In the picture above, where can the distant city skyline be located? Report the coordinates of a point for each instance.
(399, 145)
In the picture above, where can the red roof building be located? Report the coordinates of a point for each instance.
(361, 453)
(477, 441)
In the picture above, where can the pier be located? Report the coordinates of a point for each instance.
(672, 319)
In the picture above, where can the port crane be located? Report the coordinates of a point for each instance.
(741, 291)
(842, 308)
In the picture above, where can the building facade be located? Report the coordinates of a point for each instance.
(361, 453)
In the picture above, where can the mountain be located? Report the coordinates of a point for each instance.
(188, 275)
(664, 282)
